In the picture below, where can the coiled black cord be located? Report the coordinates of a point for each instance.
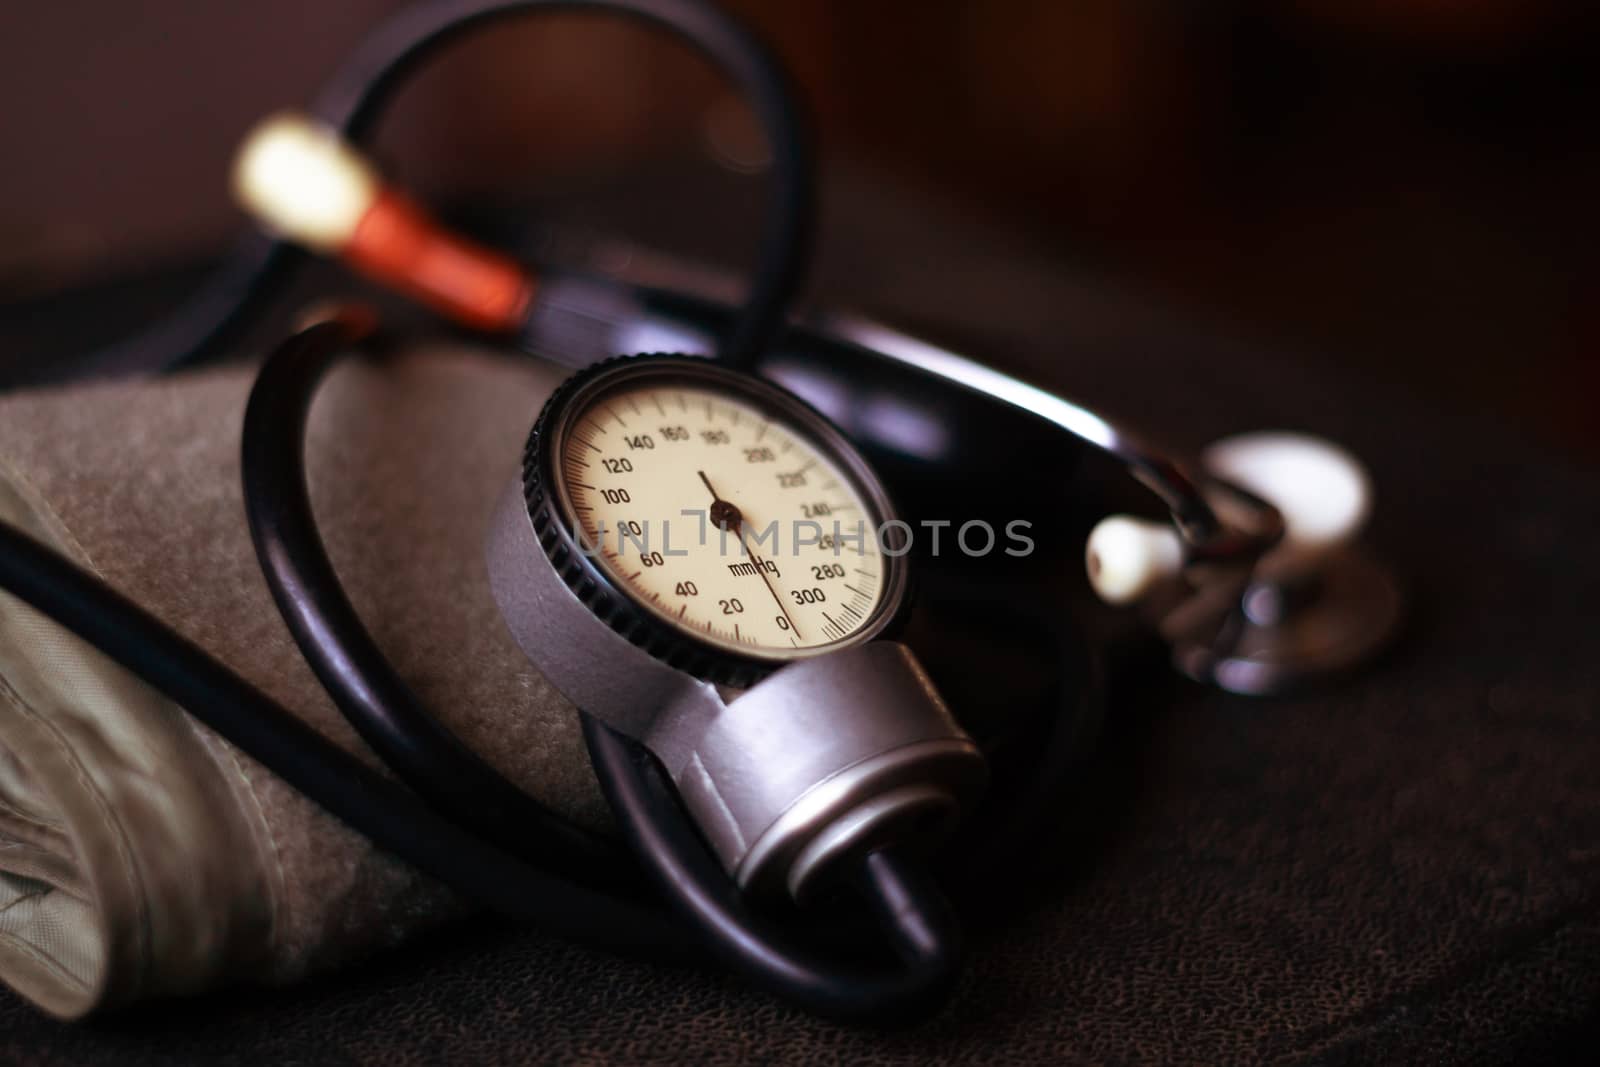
(433, 761)
(355, 97)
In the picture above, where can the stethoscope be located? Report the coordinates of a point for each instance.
(779, 763)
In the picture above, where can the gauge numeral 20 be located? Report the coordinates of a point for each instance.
(731, 606)
(809, 596)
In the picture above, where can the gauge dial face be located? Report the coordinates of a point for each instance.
(725, 515)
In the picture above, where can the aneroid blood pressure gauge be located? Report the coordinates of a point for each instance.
(701, 560)
(714, 518)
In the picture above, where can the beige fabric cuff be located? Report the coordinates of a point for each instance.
(141, 855)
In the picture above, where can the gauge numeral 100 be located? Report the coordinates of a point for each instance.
(616, 496)
(809, 596)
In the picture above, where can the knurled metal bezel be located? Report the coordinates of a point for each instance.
(556, 532)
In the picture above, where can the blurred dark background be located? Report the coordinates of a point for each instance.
(1404, 189)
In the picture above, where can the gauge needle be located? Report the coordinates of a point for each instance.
(725, 514)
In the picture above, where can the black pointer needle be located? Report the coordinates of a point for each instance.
(725, 514)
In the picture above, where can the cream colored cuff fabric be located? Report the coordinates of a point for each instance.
(141, 855)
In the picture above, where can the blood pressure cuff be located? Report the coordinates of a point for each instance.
(142, 855)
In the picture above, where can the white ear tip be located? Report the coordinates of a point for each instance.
(1125, 557)
(1322, 490)
(302, 181)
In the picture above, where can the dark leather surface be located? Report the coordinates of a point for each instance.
(1404, 868)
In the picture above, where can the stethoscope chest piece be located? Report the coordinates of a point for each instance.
(1284, 633)
(1251, 614)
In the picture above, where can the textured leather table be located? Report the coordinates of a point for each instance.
(1404, 868)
